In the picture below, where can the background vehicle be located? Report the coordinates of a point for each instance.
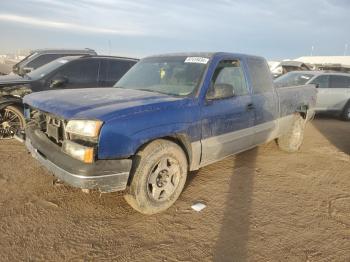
(289, 66)
(168, 115)
(5, 69)
(63, 73)
(333, 94)
(40, 57)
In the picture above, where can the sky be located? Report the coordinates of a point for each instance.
(276, 29)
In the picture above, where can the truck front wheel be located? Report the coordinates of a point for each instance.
(158, 177)
(291, 141)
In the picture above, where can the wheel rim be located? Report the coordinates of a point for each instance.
(163, 179)
(10, 123)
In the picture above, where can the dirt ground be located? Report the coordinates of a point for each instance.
(262, 205)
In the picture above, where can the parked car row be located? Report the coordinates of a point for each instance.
(63, 73)
(40, 57)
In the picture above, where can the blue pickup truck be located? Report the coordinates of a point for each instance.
(170, 114)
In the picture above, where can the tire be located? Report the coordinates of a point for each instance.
(346, 112)
(292, 140)
(158, 177)
(11, 121)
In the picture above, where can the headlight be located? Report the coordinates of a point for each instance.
(83, 153)
(90, 128)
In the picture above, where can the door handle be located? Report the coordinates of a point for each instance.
(250, 107)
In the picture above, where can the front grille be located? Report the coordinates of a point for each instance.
(54, 127)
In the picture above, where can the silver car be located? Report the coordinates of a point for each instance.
(333, 89)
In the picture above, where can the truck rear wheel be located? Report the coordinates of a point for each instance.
(11, 121)
(292, 140)
(158, 177)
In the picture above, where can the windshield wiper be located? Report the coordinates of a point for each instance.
(153, 91)
(148, 90)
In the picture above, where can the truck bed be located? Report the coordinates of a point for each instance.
(294, 97)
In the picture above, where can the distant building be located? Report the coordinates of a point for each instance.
(325, 59)
(7, 61)
(336, 63)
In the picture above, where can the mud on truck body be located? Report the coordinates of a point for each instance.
(169, 115)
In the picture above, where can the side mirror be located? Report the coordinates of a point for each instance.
(58, 82)
(220, 91)
(317, 85)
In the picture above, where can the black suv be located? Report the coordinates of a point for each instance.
(40, 57)
(63, 73)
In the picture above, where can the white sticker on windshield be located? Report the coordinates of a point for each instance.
(197, 60)
(62, 61)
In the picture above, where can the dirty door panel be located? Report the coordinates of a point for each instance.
(227, 122)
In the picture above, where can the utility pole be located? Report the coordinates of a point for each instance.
(312, 50)
(345, 49)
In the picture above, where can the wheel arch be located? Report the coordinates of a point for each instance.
(10, 101)
(182, 140)
(303, 110)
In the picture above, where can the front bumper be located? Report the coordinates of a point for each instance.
(104, 175)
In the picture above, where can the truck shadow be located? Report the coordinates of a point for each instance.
(334, 130)
(234, 233)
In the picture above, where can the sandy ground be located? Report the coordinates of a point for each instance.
(262, 205)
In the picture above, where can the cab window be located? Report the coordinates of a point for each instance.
(228, 75)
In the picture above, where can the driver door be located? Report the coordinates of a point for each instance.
(227, 122)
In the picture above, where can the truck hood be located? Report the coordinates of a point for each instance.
(97, 103)
(12, 80)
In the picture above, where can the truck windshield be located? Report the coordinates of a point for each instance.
(172, 75)
(293, 79)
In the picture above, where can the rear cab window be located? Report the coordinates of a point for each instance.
(260, 75)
